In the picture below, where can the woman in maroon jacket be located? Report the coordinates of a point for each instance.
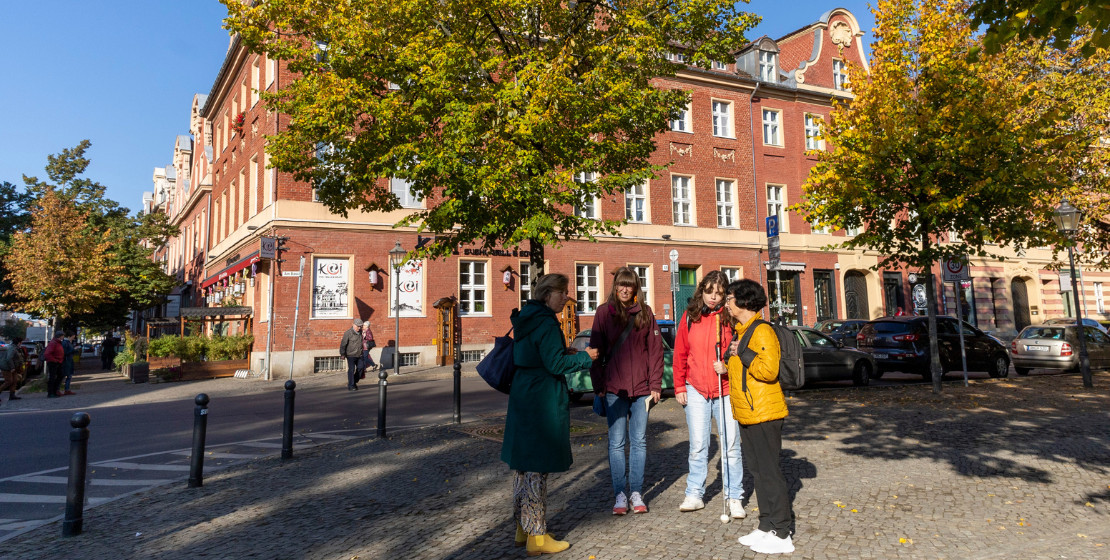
(629, 376)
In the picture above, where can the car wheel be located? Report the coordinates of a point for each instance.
(1021, 370)
(861, 377)
(575, 396)
(877, 373)
(1000, 366)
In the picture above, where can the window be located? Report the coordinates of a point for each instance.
(328, 363)
(588, 291)
(718, 65)
(722, 119)
(819, 229)
(813, 132)
(771, 136)
(681, 121)
(635, 203)
(852, 231)
(733, 274)
(525, 282)
(271, 70)
(840, 75)
(643, 272)
(472, 287)
(767, 66)
(725, 208)
(402, 189)
(1099, 301)
(588, 207)
(680, 195)
(676, 57)
(775, 202)
(321, 52)
(256, 78)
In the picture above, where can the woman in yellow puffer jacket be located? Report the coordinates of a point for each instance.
(760, 407)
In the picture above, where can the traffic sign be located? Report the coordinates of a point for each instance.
(956, 270)
(772, 226)
(293, 273)
(674, 255)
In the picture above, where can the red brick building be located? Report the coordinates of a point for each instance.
(739, 156)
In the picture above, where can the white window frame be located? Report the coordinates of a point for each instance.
(718, 65)
(587, 287)
(1100, 300)
(726, 203)
(682, 200)
(772, 127)
(776, 205)
(525, 272)
(643, 272)
(676, 57)
(256, 80)
(402, 189)
(816, 229)
(768, 66)
(722, 118)
(840, 75)
(637, 194)
(474, 287)
(589, 207)
(684, 122)
(812, 124)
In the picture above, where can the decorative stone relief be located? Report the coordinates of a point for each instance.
(682, 149)
(800, 76)
(841, 34)
(725, 155)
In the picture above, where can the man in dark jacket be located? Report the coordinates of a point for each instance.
(54, 355)
(351, 348)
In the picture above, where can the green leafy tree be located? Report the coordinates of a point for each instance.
(15, 216)
(489, 111)
(14, 328)
(1058, 21)
(937, 142)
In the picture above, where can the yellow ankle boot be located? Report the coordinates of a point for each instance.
(521, 536)
(545, 544)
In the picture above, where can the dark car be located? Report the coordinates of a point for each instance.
(579, 382)
(902, 344)
(1056, 346)
(829, 360)
(841, 330)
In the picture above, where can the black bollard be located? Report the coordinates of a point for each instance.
(287, 427)
(200, 427)
(382, 374)
(458, 388)
(78, 461)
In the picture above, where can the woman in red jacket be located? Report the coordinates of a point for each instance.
(702, 339)
(629, 376)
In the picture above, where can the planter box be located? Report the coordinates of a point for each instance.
(191, 371)
(138, 373)
(161, 363)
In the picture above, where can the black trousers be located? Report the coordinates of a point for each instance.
(53, 377)
(761, 445)
(352, 371)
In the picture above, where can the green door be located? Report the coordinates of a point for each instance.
(687, 285)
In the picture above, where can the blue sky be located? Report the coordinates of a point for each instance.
(122, 74)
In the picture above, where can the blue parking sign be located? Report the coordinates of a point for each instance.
(772, 226)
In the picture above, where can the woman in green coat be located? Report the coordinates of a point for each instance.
(537, 425)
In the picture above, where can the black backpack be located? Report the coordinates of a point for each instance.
(792, 371)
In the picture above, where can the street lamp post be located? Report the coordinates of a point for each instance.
(396, 259)
(1067, 219)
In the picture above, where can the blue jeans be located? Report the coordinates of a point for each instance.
(699, 412)
(627, 422)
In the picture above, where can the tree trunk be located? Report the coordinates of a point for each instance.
(935, 369)
(535, 260)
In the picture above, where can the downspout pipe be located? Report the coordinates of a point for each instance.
(755, 182)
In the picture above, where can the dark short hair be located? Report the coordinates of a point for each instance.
(747, 294)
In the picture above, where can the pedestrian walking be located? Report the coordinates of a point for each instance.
(54, 355)
(368, 344)
(760, 408)
(70, 348)
(108, 352)
(537, 423)
(703, 335)
(12, 362)
(629, 376)
(350, 347)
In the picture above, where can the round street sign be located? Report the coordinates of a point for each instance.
(674, 254)
(913, 278)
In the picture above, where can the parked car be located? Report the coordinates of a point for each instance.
(1071, 321)
(88, 350)
(829, 360)
(1056, 346)
(840, 330)
(579, 382)
(34, 351)
(902, 344)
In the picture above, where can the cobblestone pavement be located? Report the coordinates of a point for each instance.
(1009, 468)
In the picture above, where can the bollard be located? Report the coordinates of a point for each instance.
(200, 427)
(458, 388)
(78, 461)
(287, 427)
(382, 374)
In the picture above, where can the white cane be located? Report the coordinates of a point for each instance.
(725, 517)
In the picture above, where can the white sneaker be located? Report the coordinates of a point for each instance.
(691, 503)
(621, 506)
(752, 537)
(638, 505)
(736, 508)
(772, 544)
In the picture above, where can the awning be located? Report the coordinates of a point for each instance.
(240, 265)
(787, 266)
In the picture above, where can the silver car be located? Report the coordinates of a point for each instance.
(1057, 347)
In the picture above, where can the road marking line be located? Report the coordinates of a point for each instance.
(94, 481)
(311, 435)
(219, 455)
(142, 466)
(41, 499)
(261, 444)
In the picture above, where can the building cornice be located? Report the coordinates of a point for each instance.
(219, 87)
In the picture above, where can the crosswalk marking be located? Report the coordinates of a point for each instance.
(329, 436)
(143, 466)
(219, 455)
(95, 481)
(262, 444)
(41, 499)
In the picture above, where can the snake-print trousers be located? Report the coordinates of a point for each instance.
(530, 501)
